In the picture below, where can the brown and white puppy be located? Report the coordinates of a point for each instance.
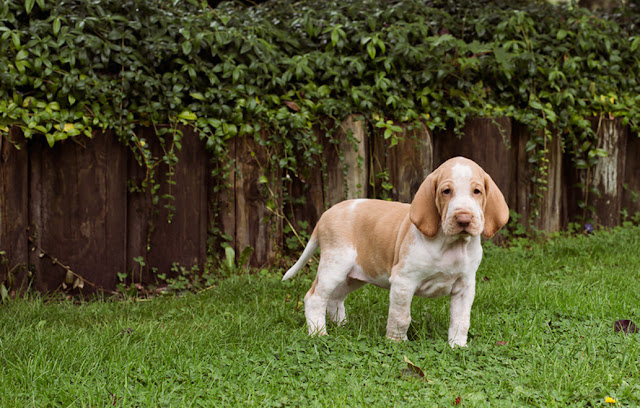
(428, 248)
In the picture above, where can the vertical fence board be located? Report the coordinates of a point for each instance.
(14, 204)
(183, 240)
(256, 226)
(608, 174)
(306, 186)
(78, 210)
(347, 178)
(631, 191)
(483, 141)
(222, 203)
(551, 212)
(407, 164)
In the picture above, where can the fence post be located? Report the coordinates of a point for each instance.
(14, 205)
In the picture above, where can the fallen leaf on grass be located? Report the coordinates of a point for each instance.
(625, 326)
(457, 401)
(413, 370)
(501, 343)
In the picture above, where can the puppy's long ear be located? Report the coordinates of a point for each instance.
(496, 211)
(424, 212)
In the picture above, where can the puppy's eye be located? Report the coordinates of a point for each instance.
(446, 191)
(476, 191)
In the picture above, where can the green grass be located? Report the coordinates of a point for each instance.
(244, 343)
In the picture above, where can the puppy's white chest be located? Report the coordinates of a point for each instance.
(436, 272)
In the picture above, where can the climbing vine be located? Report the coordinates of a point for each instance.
(280, 68)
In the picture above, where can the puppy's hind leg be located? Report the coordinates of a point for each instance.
(335, 308)
(332, 273)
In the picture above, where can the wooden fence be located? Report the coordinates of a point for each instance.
(69, 209)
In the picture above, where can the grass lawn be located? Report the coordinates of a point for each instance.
(542, 334)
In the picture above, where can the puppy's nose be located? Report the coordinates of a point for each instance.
(463, 219)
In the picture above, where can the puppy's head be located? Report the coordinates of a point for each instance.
(460, 198)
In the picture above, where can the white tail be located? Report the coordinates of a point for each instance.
(311, 247)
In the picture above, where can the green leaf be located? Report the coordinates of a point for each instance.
(15, 38)
(187, 115)
(187, 47)
(197, 95)
(28, 5)
(371, 50)
(230, 257)
(56, 25)
(22, 55)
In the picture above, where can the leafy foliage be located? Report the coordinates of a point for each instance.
(279, 69)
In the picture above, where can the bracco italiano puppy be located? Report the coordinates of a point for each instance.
(428, 248)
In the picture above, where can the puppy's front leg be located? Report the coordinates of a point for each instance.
(460, 311)
(399, 309)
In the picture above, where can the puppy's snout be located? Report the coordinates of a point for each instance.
(463, 219)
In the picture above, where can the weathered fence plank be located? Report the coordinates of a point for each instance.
(258, 199)
(77, 210)
(406, 164)
(631, 190)
(306, 186)
(550, 209)
(608, 173)
(14, 205)
(606, 177)
(182, 237)
(488, 142)
(222, 201)
(347, 174)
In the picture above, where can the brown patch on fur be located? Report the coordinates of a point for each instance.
(373, 228)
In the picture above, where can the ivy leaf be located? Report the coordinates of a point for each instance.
(536, 105)
(187, 115)
(197, 95)
(56, 25)
(187, 47)
(22, 55)
(50, 139)
(15, 38)
(4, 293)
(28, 5)
(371, 50)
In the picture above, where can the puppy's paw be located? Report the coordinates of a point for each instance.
(458, 342)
